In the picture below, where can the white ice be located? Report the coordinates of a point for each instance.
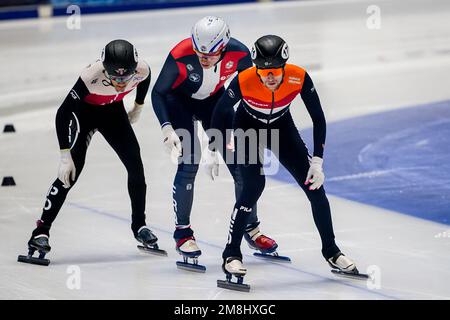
(357, 71)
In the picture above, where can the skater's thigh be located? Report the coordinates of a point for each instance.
(186, 127)
(80, 131)
(119, 134)
(253, 183)
(291, 150)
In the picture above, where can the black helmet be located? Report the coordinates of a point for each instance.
(270, 52)
(119, 58)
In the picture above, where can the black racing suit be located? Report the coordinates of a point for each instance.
(94, 105)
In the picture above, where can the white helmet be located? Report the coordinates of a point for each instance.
(210, 34)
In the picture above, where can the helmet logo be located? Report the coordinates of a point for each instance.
(203, 48)
(121, 71)
(229, 65)
(253, 53)
(285, 51)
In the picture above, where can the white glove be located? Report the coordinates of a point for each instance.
(67, 170)
(133, 114)
(315, 174)
(211, 163)
(171, 141)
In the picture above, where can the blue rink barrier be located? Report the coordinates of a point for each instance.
(18, 12)
(143, 5)
(59, 7)
(397, 160)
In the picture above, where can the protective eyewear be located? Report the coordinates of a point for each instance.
(121, 79)
(265, 72)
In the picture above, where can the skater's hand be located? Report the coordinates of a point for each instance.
(211, 163)
(171, 141)
(315, 174)
(67, 170)
(134, 113)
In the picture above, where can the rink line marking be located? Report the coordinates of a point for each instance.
(113, 216)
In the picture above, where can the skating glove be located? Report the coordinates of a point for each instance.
(211, 163)
(67, 170)
(315, 174)
(171, 141)
(133, 114)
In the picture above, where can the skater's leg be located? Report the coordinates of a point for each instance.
(182, 120)
(293, 155)
(253, 235)
(56, 195)
(253, 181)
(118, 132)
(238, 187)
(253, 186)
(229, 156)
(183, 194)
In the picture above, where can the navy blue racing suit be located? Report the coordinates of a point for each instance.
(184, 94)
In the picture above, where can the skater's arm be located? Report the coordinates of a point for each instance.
(312, 103)
(223, 113)
(64, 114)
(167, 81)
(142, 89)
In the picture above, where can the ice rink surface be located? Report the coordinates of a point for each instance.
(358, 72)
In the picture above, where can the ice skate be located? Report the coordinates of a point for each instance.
(149, 242)
(187, 247)
(345, 267)
(267, 246)
(37, 243)
(232, 266)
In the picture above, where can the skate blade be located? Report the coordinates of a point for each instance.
(272, 257)
(157, 252)
(191, 267)
(33, 260)
(224, 284)
(349, 275)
